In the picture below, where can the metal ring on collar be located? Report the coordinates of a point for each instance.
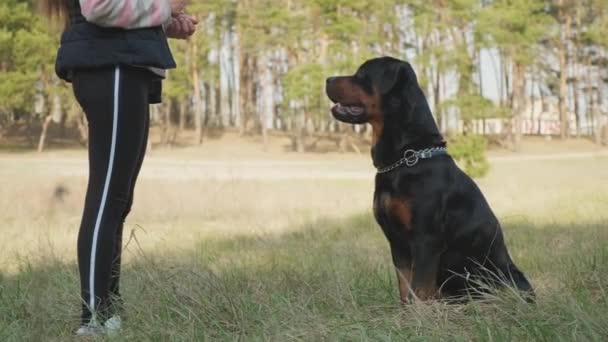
(411, 157)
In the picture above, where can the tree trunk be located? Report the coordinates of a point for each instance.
(182, 115)
(45, 126)
(437, 101)
(166, 130)
(563, 86)
(224, 64)
(501, 80)
(267, 104)
(508, 87)
(577, 109)
(196, 101)
(299, 129)
(444, 114)
(81, 122)
(532, 98)
(519, 100)
(465, 80)
(83, 128)
(600, 129)
(507, 97)
(181, 121)
(203, 111)
(575, 63)
(243, 94)
(55, 113)
(542, 106)
(594, 98)
(236, 79)
(211, 105)
(595, 116)
(216, 106)
(58, 114)
(247, 91)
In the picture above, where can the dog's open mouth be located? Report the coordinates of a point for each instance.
(348, 110)
(354, 114)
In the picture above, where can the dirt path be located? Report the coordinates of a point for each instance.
(548, 156)
(351, 167)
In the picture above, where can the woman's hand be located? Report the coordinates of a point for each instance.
(181, 26)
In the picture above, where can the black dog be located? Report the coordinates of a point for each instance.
(444, 238)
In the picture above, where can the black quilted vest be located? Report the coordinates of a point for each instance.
(85, 45)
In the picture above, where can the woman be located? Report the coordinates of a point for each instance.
(115, 53)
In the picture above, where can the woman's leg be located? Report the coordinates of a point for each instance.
(116, 104)
(115, 297)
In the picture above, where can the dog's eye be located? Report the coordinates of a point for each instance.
(359, 77)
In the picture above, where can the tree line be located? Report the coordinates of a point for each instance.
(258, 66)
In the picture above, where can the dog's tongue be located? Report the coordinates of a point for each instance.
(351, 110)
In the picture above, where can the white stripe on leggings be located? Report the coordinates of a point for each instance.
(105, 194)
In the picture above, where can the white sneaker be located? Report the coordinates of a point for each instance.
(111, 327)
(90, 329)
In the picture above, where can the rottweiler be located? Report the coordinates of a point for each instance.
(445, 240)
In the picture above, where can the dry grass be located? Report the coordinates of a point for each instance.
(231, 251)
(179, 201)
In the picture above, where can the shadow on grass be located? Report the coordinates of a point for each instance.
(329, 280)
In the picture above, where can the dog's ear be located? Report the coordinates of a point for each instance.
(401, 79)
(395, 76)
(390, 78)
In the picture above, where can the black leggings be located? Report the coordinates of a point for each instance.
(116, 103)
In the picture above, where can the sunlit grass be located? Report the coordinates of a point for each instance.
(302, 260)
(328, 281)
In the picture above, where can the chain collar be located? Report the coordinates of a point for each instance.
(411, 158)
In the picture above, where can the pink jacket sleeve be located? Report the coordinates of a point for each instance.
(127, 14)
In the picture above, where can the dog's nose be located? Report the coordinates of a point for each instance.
(330, 80)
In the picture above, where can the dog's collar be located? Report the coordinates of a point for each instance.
(411, 158)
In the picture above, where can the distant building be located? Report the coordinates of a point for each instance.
(539, 118)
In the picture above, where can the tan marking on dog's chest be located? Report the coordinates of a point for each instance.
(400, 209)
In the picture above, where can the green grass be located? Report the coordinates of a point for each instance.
(282, 260)
(328, 280)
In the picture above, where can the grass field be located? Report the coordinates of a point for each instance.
(258, 250)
